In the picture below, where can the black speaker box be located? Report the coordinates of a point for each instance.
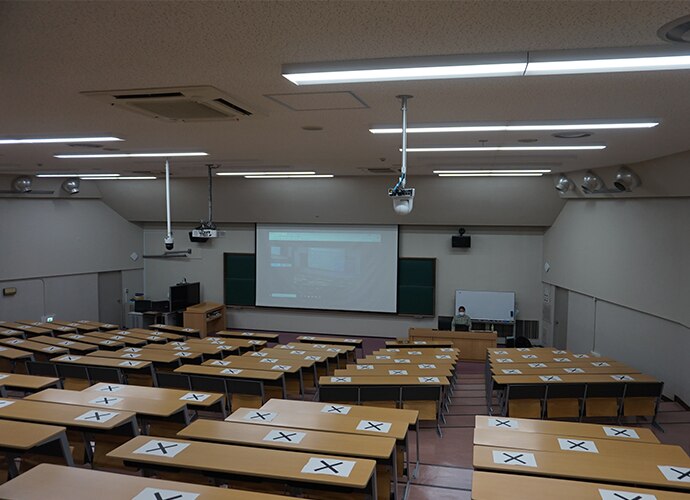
(462, 241)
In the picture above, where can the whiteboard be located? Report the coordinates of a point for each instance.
(487, 306)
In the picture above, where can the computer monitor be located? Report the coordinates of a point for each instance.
(184, 295)
(444, 322)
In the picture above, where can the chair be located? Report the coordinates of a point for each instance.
(526, 401)
(173, 380)
(522, 342)
(332, 394)
(444, 322)
(105, 374)
(565, 400)
(210, 384)
(43, 369)
(248, 393)
(641, 399)
(381, 396)
(603, 400)
(74, 377)
(426, 400)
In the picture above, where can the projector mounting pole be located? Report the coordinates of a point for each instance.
(169, 241)
(403, 169)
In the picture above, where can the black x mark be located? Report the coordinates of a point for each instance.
(336, 409)
(577, 444)
(620, 432)
(326, 465)
(110, 388)
(162, 448)
(427, 379)
(505, 423)
(516, 458)
(106, 401)
(262, 416)
(97, 416)
(682, 475)
(373, 425)
(340, 379)
(285, 436)
(158, 496)
(194, 396)
(626, 498)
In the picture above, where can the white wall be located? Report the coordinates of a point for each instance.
(626, 264)
(500, 260)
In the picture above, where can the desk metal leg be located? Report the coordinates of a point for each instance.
(64, 446)
(12, 471)
(394, 466)
(416, 467)
(374, 494)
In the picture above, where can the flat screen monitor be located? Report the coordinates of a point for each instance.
(185, 295)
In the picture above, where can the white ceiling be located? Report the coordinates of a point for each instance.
(52, 51)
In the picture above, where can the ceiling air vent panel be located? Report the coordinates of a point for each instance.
(184, 104)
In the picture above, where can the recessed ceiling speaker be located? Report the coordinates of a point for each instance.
(71, 186)
(22, 184)
(592, 183)
(626, 180)
(563, 184)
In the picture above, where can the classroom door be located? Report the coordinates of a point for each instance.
(560, 319)
(110, 298)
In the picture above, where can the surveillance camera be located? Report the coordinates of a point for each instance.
(169, 242)
(402, 200)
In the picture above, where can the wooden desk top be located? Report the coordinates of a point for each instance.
(590, 466)
(419, 343)
(8, 332)
(88, 339)
(351, 445)
(140, 406)
(204, 307)
(615, 432)
(342, 349)
(510, 351)
(25, 328)
(11, 353)
(197, 347)
(356, 411)
(25, 435)
(175, 329)
(155, 337)
(405, 351)
(491, 485)
(29, 382)
(389, 359)
(393, 380)
(81, 327)
(432, 333)
(243, 461)
(112, 362)
(125, 339)
(559, 370)
(321, 422)
(286, 360)
(219, 371)
(548, 358)
(387, 370)
(154, 355)
(283, 352)
(64, 414)
(245, 343)
(565, 443)
(44, 480)
(103, 326)
(53, 327)
(29, 345)
(583, 378)
(330, 340)
(271, 337)
(191, 398)
(254, 364)
(69, 344)
(144, 333)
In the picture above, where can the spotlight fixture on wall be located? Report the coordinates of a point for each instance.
(71, 186)
(563, 184)
(592, 183)
(21, 184)
(626, 180)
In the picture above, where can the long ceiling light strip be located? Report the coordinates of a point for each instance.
(58, 140)
(123, 178)
(77, 175)
(319, 176)
(516, 128)
(131, 155)
(609, 60)
(492, 175)
(501, 171)
(265, 173)
(492, 149)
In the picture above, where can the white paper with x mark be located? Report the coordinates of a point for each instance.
(329, 466)
(159, 494)
(336, 409)
(624, 495)
(195, 396)
(284, 436)
(260, 416)
(503, 423)
(621, 432)
(373, 426)
(514, 457)
(675, 473)
(160, 448)
(577, 445)
(98, 416)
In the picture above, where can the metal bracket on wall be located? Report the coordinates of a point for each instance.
(168, 255)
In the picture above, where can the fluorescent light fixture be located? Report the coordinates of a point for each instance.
(515, 128)
(407, 68)
(614, 60)
(265, 173)
(132, 155)
(77, 175)
(520, 171)
(124, 178)
(489, 149)
(320, 176)
(492, 175)
(52, 140)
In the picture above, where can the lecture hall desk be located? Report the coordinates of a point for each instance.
(9, 357)
(138, 372)
(313, 365)
(72, 346)
(422, 344)
(344, 352)
(430, 370)
(18, 438)
(243, 344)
(206, 350)
(268, 337)
(81, 327)
(53, 327)
(27, 329)
(99, 325)
(165, 360)
(8, 333)
(74, 483)
(187, 332)
(40, 351)
(26, 383)
(492, 486)
(559, 369)
(153, 338)
(88, 339)
(223, 461)
(326, 361)
(127, 340)
(294, 379)
(169, 336)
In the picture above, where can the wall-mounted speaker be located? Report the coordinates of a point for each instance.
(462, 241)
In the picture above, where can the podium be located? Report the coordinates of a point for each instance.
(207, 317)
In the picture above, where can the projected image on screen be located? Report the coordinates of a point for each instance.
(350, 268)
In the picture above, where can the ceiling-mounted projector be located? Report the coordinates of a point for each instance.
(402, 196)
(403, 199)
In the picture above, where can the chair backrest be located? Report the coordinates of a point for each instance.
(606, 390)
(531, 391)
(73, 371)
(338, 394)
(207, 384)
(106, 374)
(173, 380)
(379, 393)
(644, 390)
(420, 393)
(444, 322)
(555, 391)
(522, 342)
(249, 387)
(42, 369)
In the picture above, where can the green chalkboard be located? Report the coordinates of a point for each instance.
(417, 286)
(240, 279)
